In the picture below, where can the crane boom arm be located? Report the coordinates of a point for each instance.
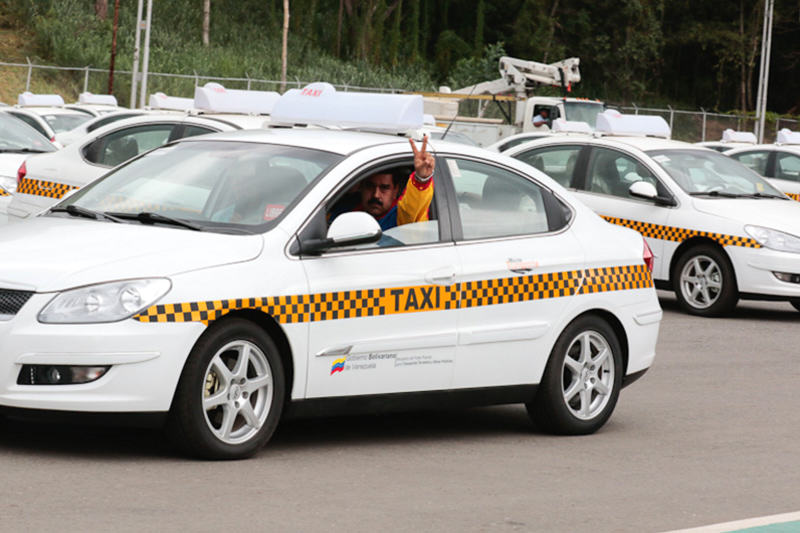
(520, 76)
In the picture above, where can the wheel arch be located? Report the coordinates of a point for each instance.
(272, 328)
(616, 326)
(691, 243)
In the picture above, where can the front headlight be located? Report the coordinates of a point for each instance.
(9, 184)
(774, 239)
(106, 302)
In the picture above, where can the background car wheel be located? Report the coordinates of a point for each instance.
(230, 395)
(704, 281)
(582, 380)
(795, 304)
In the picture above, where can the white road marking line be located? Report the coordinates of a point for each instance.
(743, 524)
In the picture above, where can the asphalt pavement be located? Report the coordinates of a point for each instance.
(709, 435)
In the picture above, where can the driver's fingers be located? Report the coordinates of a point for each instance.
(414, 147)
(424, 144)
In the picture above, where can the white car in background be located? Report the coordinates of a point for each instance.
(44, 179)
(719, 232)
(17, 142)
(560, 127)
(68, 137)
(202, 284)
(46, 114)
(95, 104)
(731, 139)
(779, 162)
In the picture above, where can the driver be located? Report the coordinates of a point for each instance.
(380, 194)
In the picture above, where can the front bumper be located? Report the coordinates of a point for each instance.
(146, 361)
(754, 272)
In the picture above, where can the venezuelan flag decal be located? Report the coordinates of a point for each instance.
(338, 365)
(297, 308)
(795, 197)
(3, 192)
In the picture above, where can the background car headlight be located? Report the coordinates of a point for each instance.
(106, 302)
(8, 183)
(774, 239)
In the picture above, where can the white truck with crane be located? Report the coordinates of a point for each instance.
(514, 88)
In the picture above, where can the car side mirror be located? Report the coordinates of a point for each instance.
(647, 191)
(348, 229)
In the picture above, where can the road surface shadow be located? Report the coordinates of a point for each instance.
(91, 440)
(744, 310)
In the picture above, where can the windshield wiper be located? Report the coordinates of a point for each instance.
(21, 151)
(147, 217)
(78, 211)
(762, 195)
(720, 194)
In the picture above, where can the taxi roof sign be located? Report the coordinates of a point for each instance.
(214, 97)
(29, 99)
(731, 136)
(97, 99)
(571, 126)
(320, 104)
(611, 122)
(787, 136)
(175, 103)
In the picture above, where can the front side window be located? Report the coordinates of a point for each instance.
(557, 162)
(755, 161)
(495, 202)
(612, 172)
(405, 209)
(121, 145)
(706, 173)
(787, 167)
(213, 184)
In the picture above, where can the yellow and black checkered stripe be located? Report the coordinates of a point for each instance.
(421, 298)
(48, 189)
(795, 197)
(671, 233)
(3, 192)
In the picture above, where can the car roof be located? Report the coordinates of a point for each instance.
(331, 140)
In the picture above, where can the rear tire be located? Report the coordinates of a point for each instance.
(704, 281)
(582, 380)
(230, 395)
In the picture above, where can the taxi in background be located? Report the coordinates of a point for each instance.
(719, 232)
(731, 139)
(47, 114)
(779, 162)
(17, 142)
(220, 282)
(43, 180)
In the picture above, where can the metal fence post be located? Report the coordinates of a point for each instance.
(196, 79)
(635, 108)
(246, 75)
(703, 135)
(30, 70)
(86, 79)
(671, 116)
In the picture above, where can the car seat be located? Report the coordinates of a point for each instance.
(500, 195)
(120, 150)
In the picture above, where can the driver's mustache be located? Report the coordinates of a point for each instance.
(374, 201)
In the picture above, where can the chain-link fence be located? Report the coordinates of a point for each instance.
(690, 126)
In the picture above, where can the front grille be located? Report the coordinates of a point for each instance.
(12, 301)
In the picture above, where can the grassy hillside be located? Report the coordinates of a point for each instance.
(67, 33)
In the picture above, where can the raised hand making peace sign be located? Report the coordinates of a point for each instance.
(424, 163)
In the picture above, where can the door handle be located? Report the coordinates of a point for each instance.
(441, 276)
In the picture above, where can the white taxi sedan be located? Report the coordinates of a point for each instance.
(779, 162)
(209, 284)
(719, 232)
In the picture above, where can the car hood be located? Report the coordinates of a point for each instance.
(783, 215)
(47, 254)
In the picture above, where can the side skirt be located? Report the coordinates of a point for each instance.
(410, 401)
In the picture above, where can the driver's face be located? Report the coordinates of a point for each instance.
(378, 194)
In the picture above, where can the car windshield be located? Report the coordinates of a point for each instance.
(454, 137)
(16, 136)
(709, 173)
(583, 112)
(215, 185)
(65, 122)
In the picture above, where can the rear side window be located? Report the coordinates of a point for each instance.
(495, 202)
(121, 145)
(557, 162)
(192, 131)
(756, 161)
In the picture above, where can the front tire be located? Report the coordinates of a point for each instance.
(704, 282)
(230, 395)
(582, 380)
